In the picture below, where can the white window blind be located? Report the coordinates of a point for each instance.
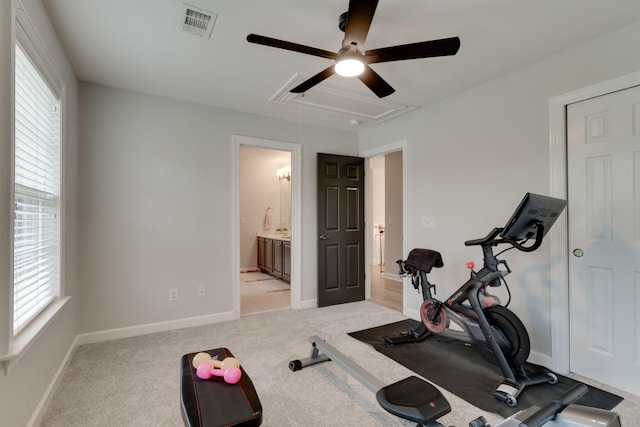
(36, 244)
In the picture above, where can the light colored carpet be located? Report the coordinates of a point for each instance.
(135, 381)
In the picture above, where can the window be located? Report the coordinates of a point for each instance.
(36, 231)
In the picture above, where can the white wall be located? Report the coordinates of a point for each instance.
(22, 389)
(472, 157)
(156, 204)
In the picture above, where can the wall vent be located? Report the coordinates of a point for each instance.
(196, 21)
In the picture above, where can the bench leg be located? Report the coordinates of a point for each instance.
(314, 357)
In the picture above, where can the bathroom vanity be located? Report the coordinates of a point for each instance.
(274, 256)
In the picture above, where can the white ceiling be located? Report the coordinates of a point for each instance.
(136, 45)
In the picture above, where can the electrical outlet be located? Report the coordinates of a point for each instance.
(173, 294)
(202, 291)
(428, 222)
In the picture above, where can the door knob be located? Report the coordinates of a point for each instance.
(577, 252)
(323, 237)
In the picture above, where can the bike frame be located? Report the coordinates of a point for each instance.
(474, 324)
(468, 318)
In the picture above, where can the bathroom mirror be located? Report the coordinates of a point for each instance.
(285, 205)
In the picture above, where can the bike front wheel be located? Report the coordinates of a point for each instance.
(512, 332)
(433, 316)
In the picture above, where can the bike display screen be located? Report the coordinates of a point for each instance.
(532, 210)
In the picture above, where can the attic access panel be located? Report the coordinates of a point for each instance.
(340, 102)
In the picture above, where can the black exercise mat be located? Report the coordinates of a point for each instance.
(463, 371)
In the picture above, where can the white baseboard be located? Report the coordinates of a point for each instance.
(41, 409)
(412, 314)
(540, 359)
(309, 303)
(150, 328)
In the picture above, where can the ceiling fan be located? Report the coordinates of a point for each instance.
(352, 59)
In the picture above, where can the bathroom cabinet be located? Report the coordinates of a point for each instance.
(286, 260)
(274, 256)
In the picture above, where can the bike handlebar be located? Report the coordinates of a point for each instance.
(492, 240)
(536, 243)
(489, 238)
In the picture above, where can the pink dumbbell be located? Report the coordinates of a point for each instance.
(203, 357)
(231, 375)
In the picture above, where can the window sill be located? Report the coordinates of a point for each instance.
(25, 339)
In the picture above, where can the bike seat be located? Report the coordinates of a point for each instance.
(413, 399)
(424, 259)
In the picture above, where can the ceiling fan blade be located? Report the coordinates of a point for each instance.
(281, 44)
(428, 49)
(311, 82)
(375, 82)
(359, 17)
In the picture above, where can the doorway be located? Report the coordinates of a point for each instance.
(386, 219)
(603, 136)
(560, 277)
(266, 220)
(386, 229)
(265, 225)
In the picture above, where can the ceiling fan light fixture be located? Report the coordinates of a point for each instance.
(352, 59)
(349, 67)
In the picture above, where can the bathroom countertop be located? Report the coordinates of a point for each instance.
(275, 236)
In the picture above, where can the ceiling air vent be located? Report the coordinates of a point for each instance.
(196, 21)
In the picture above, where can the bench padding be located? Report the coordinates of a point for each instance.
(212, 402)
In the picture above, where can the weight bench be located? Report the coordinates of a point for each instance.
(213, 402)
(411, 398)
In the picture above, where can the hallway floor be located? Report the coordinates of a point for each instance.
(385, 292)
(260, 292)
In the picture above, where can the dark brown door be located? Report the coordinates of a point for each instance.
(340, 229)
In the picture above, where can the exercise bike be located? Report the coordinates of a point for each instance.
(479, 317)
(417, 400)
